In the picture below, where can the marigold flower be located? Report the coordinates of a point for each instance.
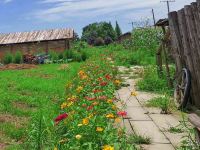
(60, 118)
(78, 137)
(111, 116)
(79, 89)
(117, 82)
(108, 147)
(99, 129)
(117, 120)
(85, 121)
(109, 101)
(122, 113)
(133, 93)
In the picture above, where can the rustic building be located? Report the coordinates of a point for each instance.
(36, 41)
(123, 37)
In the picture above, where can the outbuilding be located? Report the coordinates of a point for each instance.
(36, 41)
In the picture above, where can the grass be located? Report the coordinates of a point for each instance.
(26, 93)
(138, 139)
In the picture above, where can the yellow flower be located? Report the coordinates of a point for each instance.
(109, 101)
(91, 115)
(79, 125)
(79, 89)
(114, 107)
(107, 147)
(111, 116)
(85, 121)
(99, 129)
(81, 73)
(117, 120)
(117, 82)
(78, 137)
(64, 105)
(133, 93)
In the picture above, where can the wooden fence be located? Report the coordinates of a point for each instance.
(184, 27)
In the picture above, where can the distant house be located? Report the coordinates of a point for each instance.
(36, 41)
(124, 36)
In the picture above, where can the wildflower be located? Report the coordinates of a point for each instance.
(117, 82)
(100, 79)
(79, 89)
(78, 137)
(108, 147)
(90, 108)
(103, 83)
(108, 77)
(90, 98)
(133, 93)
(91, 115)
(79, 125)
(95, 103)
(122, 113)
(99, 129)
(111, 116)
(64, 105)
(109, 101)
(97, 91)
(85, 121)
(117, 120)
(84, 105)
(60, 118)
(81, 73)
(114, 107)
(73, 98)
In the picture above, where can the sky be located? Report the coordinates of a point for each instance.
(29, 15)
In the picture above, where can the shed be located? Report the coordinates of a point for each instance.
(36, 41)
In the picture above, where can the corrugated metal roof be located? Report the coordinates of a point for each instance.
(34, 36)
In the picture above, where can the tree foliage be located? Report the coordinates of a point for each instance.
(95, 31)
(118, 30)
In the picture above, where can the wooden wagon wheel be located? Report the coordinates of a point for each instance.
(182, 89)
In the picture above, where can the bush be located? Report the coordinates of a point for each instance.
(68, 54)
(83, 55)
(77, 57)
(60, 56)
(18, 57)
(8, 58)
(108, 40)
(53, 55)
(99, 41)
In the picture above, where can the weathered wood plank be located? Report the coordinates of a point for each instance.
(195, 120)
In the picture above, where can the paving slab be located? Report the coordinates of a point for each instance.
(158, 147)
(149, 129)
(127, 125)
(152, 110)
(175, 138)
(132, 102)
(137, 113)
(164, 122)
(144, 96)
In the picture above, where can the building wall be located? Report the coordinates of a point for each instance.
(35, 48)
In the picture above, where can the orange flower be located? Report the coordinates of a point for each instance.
(85, 121)
(99, 129)
(110, 116)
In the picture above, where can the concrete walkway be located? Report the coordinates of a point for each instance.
(147, 122)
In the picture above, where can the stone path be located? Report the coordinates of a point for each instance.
(147, 122)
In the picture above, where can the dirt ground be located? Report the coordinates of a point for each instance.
(17, 67)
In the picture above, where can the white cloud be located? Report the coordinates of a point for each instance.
(6, 1)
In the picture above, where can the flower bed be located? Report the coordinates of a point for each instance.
(89, 119)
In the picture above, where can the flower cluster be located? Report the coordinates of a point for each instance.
(89, 117)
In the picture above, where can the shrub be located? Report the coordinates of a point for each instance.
(18, 57)
(108, 40)
(83, 55)
(68, 54)
(99, 41)
(8, 58)
(53, 55)
(60, 56)
(77, 57)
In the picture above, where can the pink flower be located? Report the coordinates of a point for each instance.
(122, 113)
(90, 108)
(90, 98)
(103, 83)
(60, 118)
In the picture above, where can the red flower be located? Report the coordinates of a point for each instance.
(103, 83)
(90, 98)
(97, 91)
(100, 79)
(90, 108)
(122, 113)
(60, 118)
(102, 97)
(84, 105)
(108, 77)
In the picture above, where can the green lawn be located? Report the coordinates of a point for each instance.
(25, 93)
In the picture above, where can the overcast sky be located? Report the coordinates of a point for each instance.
(28, 15)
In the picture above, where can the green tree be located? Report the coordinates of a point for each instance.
(118, 30)
(103, 30)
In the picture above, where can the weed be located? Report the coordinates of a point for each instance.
(137, 139)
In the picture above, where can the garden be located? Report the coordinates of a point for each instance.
(69, 102)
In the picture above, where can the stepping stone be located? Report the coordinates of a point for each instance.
(132, 102)
(149, 129)
(144, 96)
(175, 138)
(152, 110)
(164, 122)
(137, 113)
(158, 147)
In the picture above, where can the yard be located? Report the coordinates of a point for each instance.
(26, 93)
